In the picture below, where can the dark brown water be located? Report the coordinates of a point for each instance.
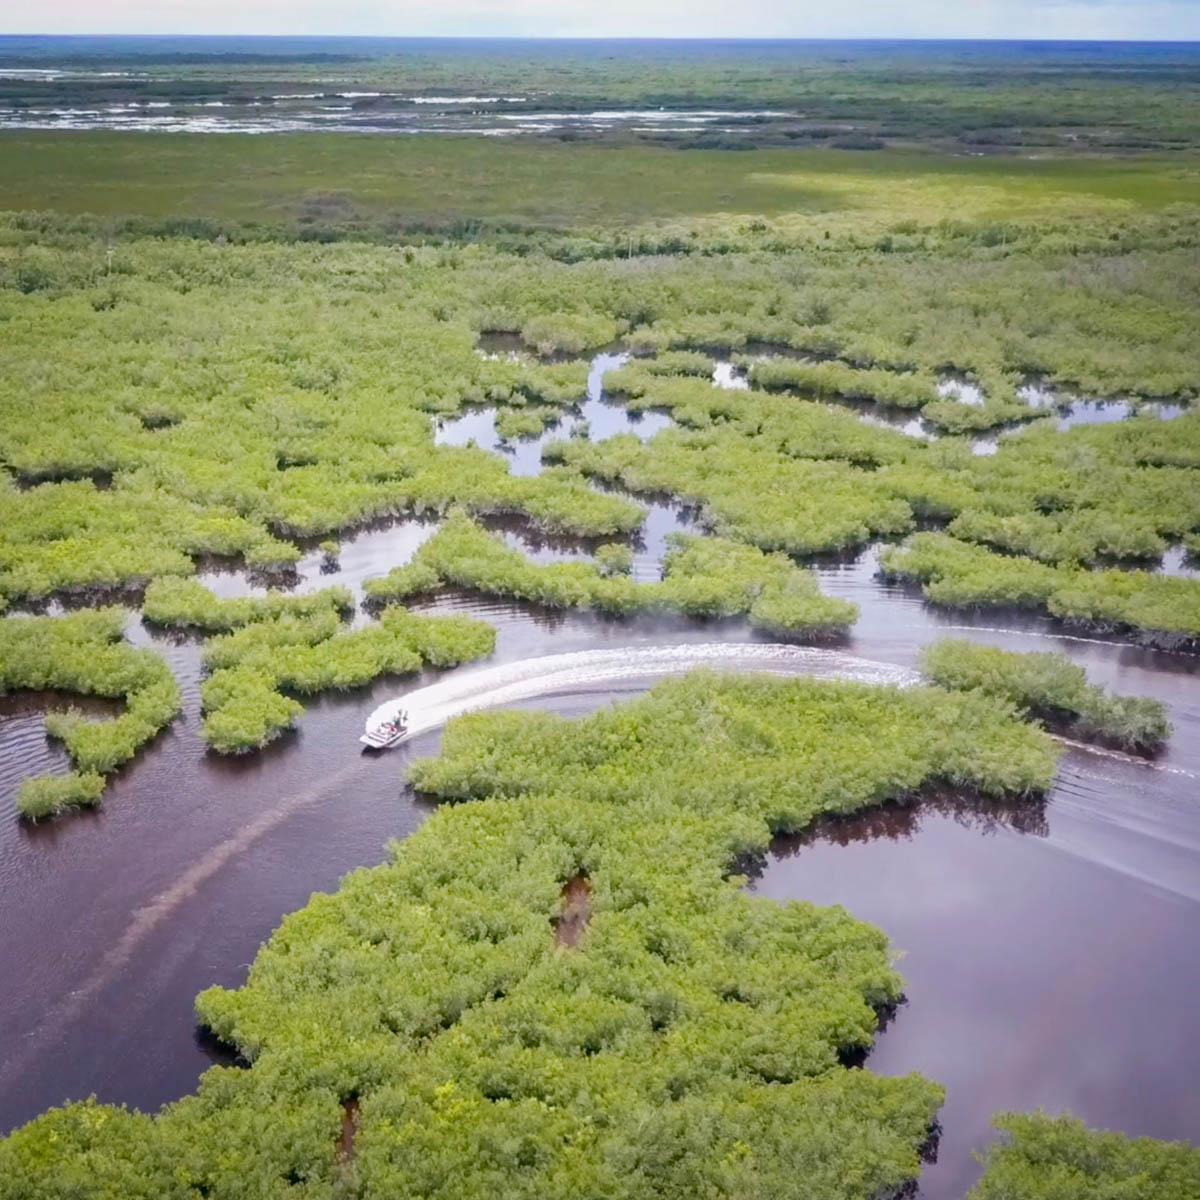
(1051, 955)
(1052, 969)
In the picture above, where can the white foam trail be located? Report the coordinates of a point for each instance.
(1120, 756)
(1054, 636)
(465, 691)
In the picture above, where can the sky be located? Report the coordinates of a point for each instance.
(1073, 19)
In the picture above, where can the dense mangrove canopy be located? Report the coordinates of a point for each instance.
(702, 577)
(1045, 1158)
(85, 653)
(193, 406)
(278, 644)
(692, 1043)
(1052, 687)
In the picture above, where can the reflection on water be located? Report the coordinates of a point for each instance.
(371, 550)
(597, 417)
(1179, 561)
(1072, 408)
(960, 388)
(1045, 965)
(1093, 412)
(503, 344)
(730, 376)
(903, 420)
(901, 820)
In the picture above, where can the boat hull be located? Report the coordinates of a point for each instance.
(381, 741)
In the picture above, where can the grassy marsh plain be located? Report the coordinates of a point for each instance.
(340, 185)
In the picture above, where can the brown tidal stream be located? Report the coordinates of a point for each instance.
(1051, 951)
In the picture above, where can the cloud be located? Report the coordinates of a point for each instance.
(1026, 19)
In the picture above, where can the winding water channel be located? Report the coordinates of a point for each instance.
(1051, 951)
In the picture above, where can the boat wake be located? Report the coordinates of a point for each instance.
(589, 670)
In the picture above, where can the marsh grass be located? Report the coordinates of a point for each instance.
(217, 184)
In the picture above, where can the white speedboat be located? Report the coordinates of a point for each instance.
(386, 731)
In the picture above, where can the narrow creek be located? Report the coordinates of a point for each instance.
(1050, 951)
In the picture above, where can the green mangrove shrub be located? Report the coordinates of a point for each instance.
(1049, 686)
(702, 577)
(1042, 1157)
(614, 559)
(513, 423)
(1161, 607)
(964, 575)
(278, 644)
(184, 603)
(48, 795)
(570, 333)
(834, 379)
(72, 536)
(85, 653)
(244, 710)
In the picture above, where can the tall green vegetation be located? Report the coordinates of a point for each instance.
(1049, 686)
(691, 1043)
(1058, 1158)
(750, 490)
(84, 652)
(279, 644)
(1164, 609)
(184, 604)
(181, 403)
(702, 577)
(73, 536)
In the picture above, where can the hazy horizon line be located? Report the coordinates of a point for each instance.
(611, 37)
